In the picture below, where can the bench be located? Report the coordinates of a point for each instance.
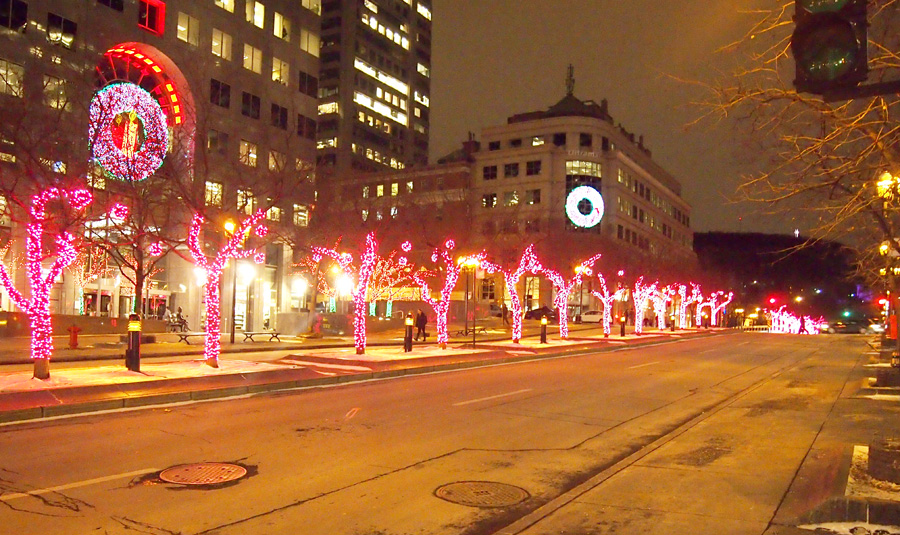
(466, 332)
(183, 336)
(273, 335)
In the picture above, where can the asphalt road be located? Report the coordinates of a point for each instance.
(596, 440)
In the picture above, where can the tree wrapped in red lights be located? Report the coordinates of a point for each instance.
(360, 291)
(607, 299)
(528, 263)
(641, 294)
(233, 248)
(564, 290)
(37, 307)
(451, 276)
(660, 298)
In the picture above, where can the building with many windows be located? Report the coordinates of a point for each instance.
(237, 81)
(374, 86)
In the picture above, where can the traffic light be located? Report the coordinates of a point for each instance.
(829, 44)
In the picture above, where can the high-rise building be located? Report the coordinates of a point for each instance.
(374, 86)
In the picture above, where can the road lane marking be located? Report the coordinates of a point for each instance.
(85, 483)
(461, 403)
(642, 365)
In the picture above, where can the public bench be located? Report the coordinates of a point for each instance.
(465, 332)
(183, 336)
(273, 335)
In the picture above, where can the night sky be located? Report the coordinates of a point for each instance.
(494, 58)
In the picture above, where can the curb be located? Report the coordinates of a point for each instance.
(51, 403)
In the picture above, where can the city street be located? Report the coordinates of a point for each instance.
(742, 433)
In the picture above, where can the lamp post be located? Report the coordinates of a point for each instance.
(578, 270)
(887, 189)
(229, 230)
(473, 263)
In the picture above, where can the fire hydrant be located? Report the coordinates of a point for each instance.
(73, 336)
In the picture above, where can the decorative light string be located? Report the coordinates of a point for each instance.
(233, 248)
(361, 289)
(40, 282)
(660, 298)
(451, 276)
(131, 162)
(716, 309)
(709, 303)
(641, 295)
(527, 263)
(564, 290)
(607, 299)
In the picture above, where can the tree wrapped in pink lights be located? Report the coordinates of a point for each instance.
(710, 303)
(233, 248)
(37, 307)
(451, 276)
(715, 309)
(641, 295)
(359, 293)
(564, 290)
(660, 298)
(528, 263)
(607, 299)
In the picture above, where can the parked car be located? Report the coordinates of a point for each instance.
(538, 313)
(592, 316)
(854, 327)
(496, 311)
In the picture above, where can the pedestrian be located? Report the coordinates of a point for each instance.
(421, 322)
(802, 326)
(181, 320)
(504, 311)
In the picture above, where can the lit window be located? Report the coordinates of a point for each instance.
(245, 201)
(537, 141)
(214, 193)
(423, 10)
(221, 44)
(379, 190)
(301, 215)
(365, 192)
(273, 213)
(394, 212)
(252, 59)
(309, 42)
(328, 107)
(256, 13)
(511, 198)
(280, 71)
(97, 177)
(188, 29)
(11, 75)
(248, 153)
(55, 93)
(312, 5)
(152, 15)
(227, 5)
(277, 160)
(60, 31)
(423, 70)
(282, 28)
(409, 187)
(395, 189)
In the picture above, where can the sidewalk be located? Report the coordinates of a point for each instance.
(277, 366)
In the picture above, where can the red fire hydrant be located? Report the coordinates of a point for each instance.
(73, 336)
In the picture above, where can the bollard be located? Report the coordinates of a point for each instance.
(672, 323)
(407, 338)
(622, 326)
(73, 336)
(544, 329)
(895, 360)
(133, 353)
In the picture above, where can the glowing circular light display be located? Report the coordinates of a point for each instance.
(584, 206)
(128, 131)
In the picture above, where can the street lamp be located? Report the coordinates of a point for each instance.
(229, 227)
(578, 270)
(471, 263)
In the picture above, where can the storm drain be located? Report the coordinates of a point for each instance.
(481, 493)
(202, 473)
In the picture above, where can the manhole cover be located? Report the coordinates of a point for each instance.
(202, 473)
(481, 493)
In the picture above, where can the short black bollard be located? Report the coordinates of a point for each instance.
(544, 330)
(895, 360)
(622, 326)
(672, 323)
(407, 338)
(133, 353)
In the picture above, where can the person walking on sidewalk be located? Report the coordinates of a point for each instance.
(421, 322)
(504, 311)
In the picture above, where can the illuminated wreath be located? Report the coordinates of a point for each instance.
(574, 201)
(128, 131)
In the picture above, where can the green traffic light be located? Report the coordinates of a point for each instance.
(826, 52)
(823, 6)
